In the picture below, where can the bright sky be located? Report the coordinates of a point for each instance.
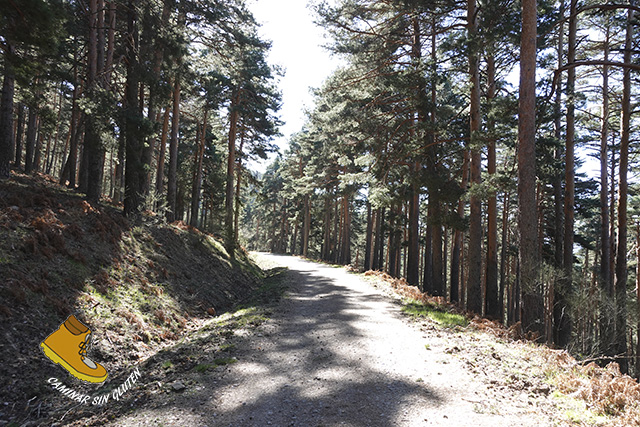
(296, 47)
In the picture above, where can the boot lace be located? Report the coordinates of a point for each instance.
(83, 354)
(83, 349)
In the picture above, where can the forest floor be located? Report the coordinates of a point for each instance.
(346, 349)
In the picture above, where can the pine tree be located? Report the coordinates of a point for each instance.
(134, 171)
(474, 296)
(621, 274)
(528, 249)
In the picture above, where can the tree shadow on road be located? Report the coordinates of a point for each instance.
(311, 364)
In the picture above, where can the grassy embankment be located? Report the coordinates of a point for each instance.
(140, 287)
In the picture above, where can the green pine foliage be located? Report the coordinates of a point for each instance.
(390, 129)
(162, 105)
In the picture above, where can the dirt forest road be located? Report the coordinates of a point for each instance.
(338, 352)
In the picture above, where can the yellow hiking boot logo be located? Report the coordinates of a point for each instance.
(67, 346)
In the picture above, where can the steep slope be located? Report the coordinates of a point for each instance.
(138, 287)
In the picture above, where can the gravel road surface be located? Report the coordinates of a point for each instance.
(338, 351)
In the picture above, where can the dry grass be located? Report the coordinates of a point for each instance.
(604, 390)
(402, 288)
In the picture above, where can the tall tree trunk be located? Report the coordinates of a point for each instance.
(533, 305)
(69, 169)
(458, 234)
(555, 293)
(83, 167)
(612, 214)
(230, 243)
(118, 187)
(197, 172)
(445, 259)
(368, 240)
(111, 37)
(620, 341)
(427, 281)
(345, 247)
(195, 185)
(180, 200)
(72, 161)
(32, 133)
(296, 227)
(437, 273)
(394, 241)
(19, 135)
(637, 358)
(284, 229)
(493, 308)
(376, 262)
(373, 262)
(172, 182)
(93, 147)
(236, 195)
(606, 285)
(413, 260)
(474, 288)
(326, 233)
(100, 59)
(37, 154)
(562, 320)
(381, 226)
(503, 248)
(6, 113)
(335, 240)
(51, 155)
(163, 149)
(134, 169)
(306, 229)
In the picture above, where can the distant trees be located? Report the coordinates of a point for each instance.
(422, 157)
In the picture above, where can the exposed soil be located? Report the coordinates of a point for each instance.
(338, 350)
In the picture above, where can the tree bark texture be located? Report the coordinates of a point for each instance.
(230, 243)
(172, 179)
(197, 175)
(620, 341)
(6, 114)
(134, 168)
(493, 309)
(606, 284)
(93, 146)
(474, 285)
(532, 308)
(562, 320)
(456, 278)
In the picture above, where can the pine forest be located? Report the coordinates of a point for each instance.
(485, 151)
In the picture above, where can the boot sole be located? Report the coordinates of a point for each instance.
(55, 358)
